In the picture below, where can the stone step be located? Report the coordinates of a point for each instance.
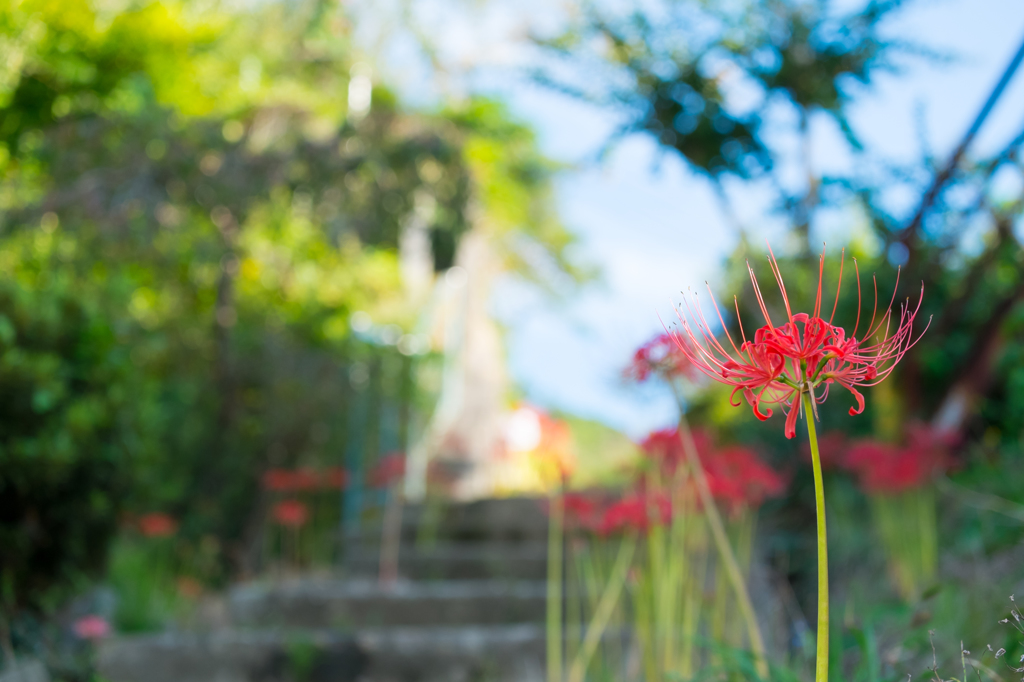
(29, 670)
(348, 604)
(454, 562)
(509, 520)
(436, 654)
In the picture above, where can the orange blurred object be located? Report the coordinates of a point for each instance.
(157, 525)
(189, 588)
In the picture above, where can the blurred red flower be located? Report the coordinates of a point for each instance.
(389, 469)
(738, 477)
(632, 513)
(278, 480)
(157, 525)
(664, 448)
(291, 513)
(661, 355)
(91, 627)
(583, 510)
(887, 468)
(335, 478)
(304, 480)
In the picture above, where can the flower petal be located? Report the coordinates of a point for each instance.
(860, 400)
(794, 412)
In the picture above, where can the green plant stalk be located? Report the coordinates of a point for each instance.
(678, 567)
(659, 576)
(719, 606)
(604, 611)
(699, 560)
(725, 552)
(821, 661)
(892, 513)
(575, 614)
(556, 529)
(929, 542)
(643, 618)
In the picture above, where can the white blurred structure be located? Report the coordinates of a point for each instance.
(465, 435)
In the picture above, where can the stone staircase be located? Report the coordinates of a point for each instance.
(468, 607)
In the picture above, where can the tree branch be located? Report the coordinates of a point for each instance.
(942, 177)
(976, 373)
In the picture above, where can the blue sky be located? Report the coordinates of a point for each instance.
(650, 224)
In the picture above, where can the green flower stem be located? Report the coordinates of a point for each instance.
(556, 529)
(725, 553)
(605, 610)
(821, 664)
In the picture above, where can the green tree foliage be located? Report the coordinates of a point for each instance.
(66, 442)
(674, 69)
(211, 213)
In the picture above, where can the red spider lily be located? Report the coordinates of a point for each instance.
(157, 525)
(278, 480)
(659, 356)
(927, 438)
(738, 477)
(290, 513)
(664, 448)
(735, 474)
(635, 512)
(388, 470)
(784, 362)
(91, 627)
(887, 468)
(583, 510)
(335, 478)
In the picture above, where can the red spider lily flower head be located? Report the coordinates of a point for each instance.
(804, 355)
(91, 627)
(664, 448)
(887, 468)
(334, 478)
(582, 510)
(939, 443)
(740, 479)
(635, 512)
(389, 469)
(157, 525)
(659, 356)
(290, 513)
(278, 480)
